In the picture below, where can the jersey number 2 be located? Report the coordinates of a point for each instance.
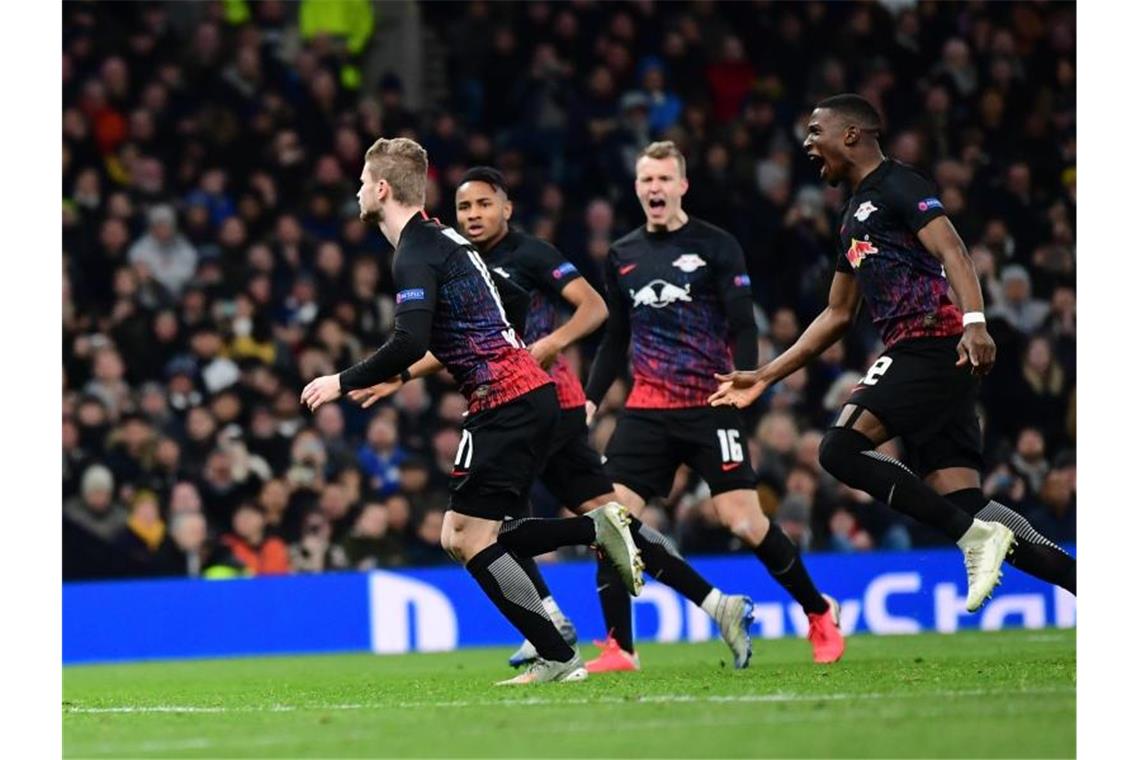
(877, 370)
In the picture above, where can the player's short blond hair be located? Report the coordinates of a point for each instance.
(403, 163)
(664, 149)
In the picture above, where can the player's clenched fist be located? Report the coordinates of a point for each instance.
(739, 388)
(321, 391)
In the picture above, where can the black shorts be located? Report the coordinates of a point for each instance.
(500, 454)
(649, 444)
(573, 472)
(918, 394)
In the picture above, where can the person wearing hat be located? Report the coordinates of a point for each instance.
(1018, 306)
(95, 509)
(163, 252)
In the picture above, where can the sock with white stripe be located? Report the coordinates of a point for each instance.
(1033, 553)
(506, 583)
(851, 457)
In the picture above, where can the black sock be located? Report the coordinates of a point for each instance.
(530, 567)
(1033, 553)
(616, 604)
(532, 536)
(779, 555)
(851, 457)
(506, 583)
(664, 564)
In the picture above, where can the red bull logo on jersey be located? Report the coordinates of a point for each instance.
(689, 262)
(859, 250)
(659, 294)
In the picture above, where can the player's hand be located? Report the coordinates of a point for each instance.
(740, 389)
(366, 397)
(545, 351)
(977, 349)
(321, 391)
(591, 410)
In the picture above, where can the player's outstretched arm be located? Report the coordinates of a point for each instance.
(366, 397)
(742, 387)
(407, 344)
(589, 314)
(976, 347)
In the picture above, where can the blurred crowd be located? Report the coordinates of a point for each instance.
(214, 261)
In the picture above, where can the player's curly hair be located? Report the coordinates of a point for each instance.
(403, 163)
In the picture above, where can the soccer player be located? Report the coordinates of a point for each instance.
(899, 251)
(446, 301)
(574, 471)
(677, 288)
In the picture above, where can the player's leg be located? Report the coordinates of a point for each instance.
(639, 465)
(910, 391)
(848, 452)
(952, 463)
(714, 445)
(473, 541)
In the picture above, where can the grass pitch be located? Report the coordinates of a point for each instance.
(1008, 694)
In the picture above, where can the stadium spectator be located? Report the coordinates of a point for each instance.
(162, 253)
(95, 509)
(315, 552)
(371, 544)
(249, 546)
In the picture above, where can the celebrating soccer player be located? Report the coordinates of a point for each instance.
(899, 251)
(446, 300)
(677, 287)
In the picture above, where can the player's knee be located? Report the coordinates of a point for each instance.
(838, 450)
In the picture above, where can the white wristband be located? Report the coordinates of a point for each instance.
(973, 318)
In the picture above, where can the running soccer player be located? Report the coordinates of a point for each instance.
(677, 288)
(573, 472)
(446, 300)
(899, 251)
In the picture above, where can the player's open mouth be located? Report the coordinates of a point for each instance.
(656, 203)
(815, 158)
(474, 229)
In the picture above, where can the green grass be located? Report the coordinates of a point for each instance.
(1009, 694)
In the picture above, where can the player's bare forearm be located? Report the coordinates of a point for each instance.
(428, 365)
(942, 240)
(825, 329)
(828, 327)
(976, 347)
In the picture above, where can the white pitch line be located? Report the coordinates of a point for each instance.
(545, 702)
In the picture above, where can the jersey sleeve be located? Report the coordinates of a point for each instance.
(614, 350)
(914, 198)
(732, 280)
(417, 283)
(548, 268)
(841, 262)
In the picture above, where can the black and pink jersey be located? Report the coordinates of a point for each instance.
(437, 270)
(906, 289)
(539, 268)
(673, 291)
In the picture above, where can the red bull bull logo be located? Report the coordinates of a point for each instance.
(659, 294)
(858, 251)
